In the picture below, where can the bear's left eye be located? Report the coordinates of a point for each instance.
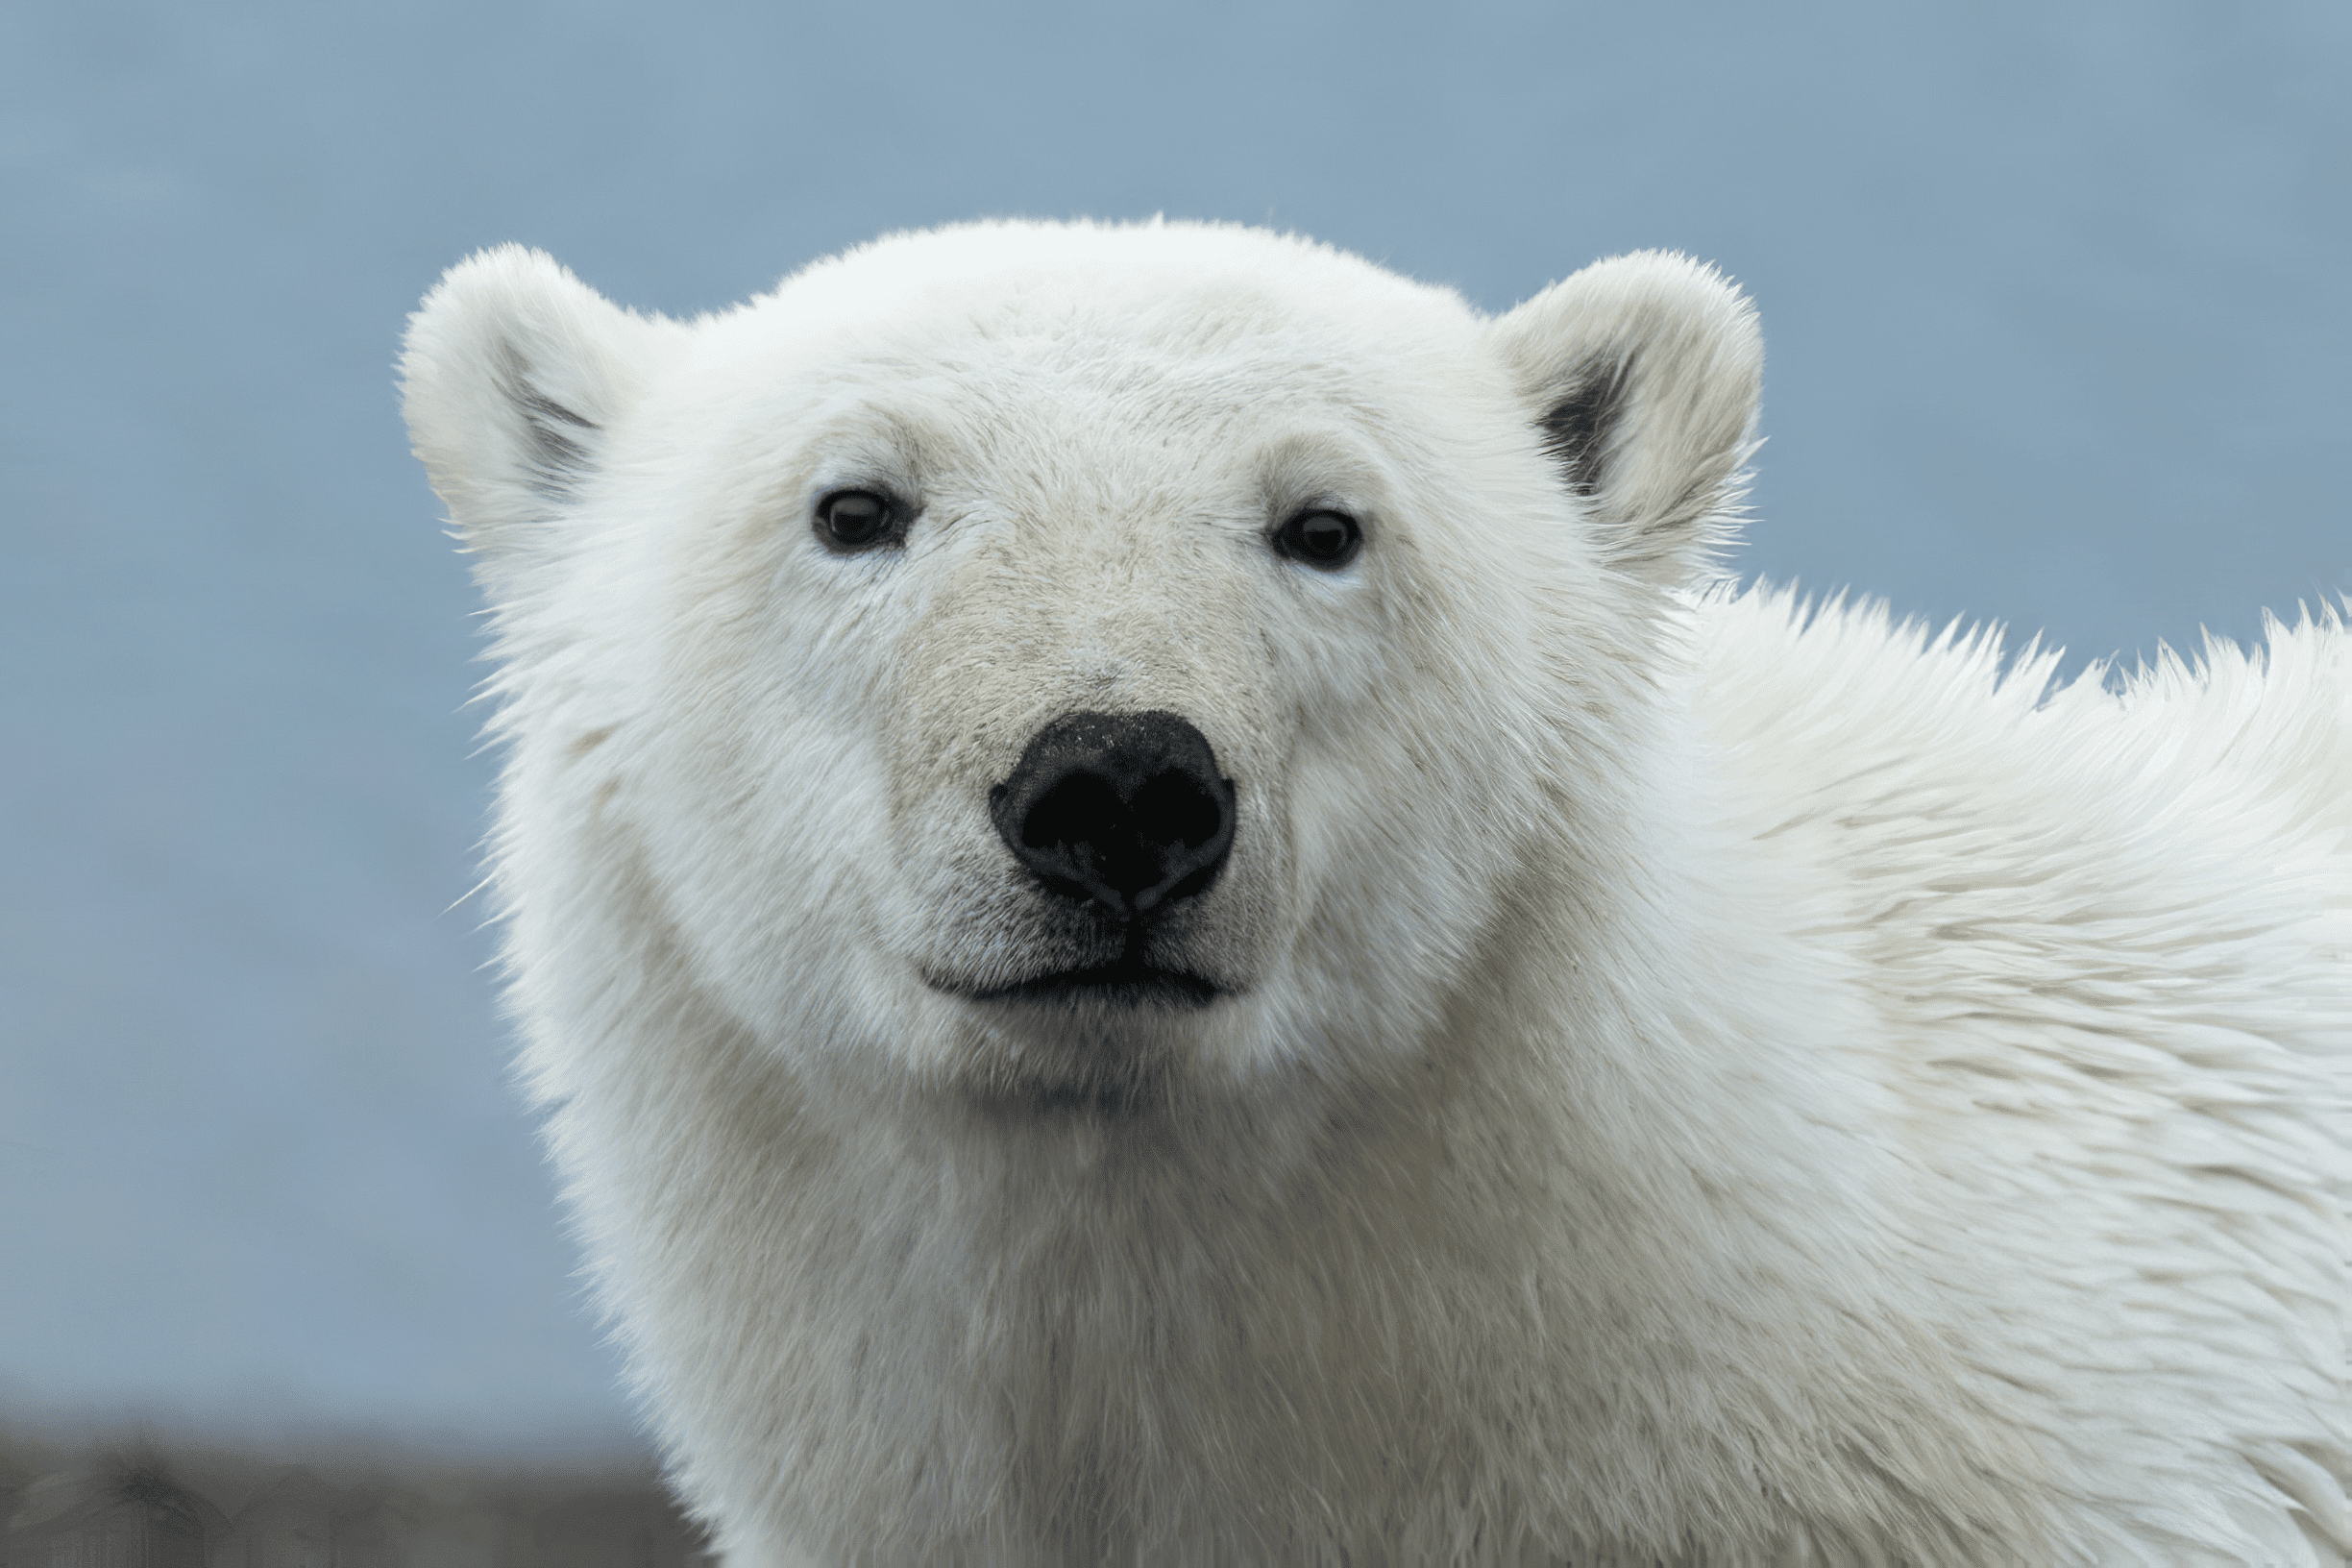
(855, 519)
(1321, 538)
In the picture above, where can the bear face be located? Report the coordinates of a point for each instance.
(1081, 459)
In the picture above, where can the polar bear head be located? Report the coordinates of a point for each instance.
(1072, 666)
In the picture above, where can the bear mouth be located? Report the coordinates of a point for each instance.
(1126, 983)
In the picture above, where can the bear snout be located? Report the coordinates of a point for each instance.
(1126, 810)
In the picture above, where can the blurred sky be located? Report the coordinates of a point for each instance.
(2056, 303)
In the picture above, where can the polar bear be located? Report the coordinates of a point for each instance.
(1167, 915)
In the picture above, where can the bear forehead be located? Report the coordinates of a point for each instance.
(1138, 328)
(1098, 297)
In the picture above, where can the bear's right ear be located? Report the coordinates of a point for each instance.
(1641, 376)
(511, 372)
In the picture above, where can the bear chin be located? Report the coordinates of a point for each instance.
(1122, 1076)
(1123, 1039)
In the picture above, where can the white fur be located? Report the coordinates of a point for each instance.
(1700, 1079)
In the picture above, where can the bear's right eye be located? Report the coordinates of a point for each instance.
(855, 519)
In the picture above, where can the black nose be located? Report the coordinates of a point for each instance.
(1126, 809)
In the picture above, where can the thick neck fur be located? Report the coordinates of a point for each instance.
(1281, 1325)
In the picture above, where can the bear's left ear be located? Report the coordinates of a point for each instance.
(1641, 374)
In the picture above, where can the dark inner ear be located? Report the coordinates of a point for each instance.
(1578, 427)
(557, 457)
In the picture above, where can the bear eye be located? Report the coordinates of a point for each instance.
(855, 519)
(1320, 538)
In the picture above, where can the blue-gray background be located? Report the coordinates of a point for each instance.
(2056, 296)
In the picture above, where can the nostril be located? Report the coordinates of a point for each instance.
(1187, 813)
(1127, 810)
(1074, 809)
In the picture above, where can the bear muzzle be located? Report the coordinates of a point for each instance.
(1122, 819)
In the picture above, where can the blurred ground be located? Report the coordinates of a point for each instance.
(143, 1501)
